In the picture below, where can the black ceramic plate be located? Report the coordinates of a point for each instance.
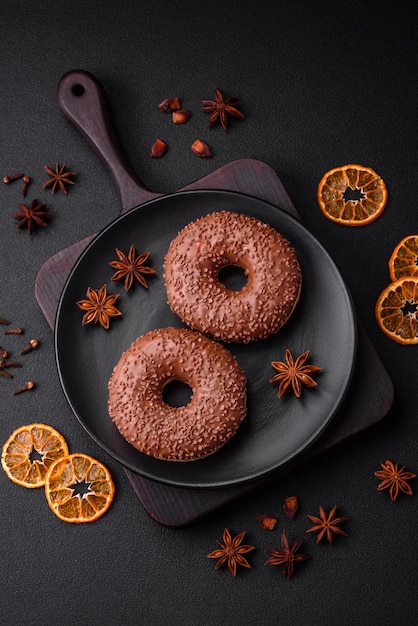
(275, 430)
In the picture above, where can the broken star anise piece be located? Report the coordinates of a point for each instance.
(220, 109)
(59, 178)
(268, 522)
(290, 506)
(32, 216)
(326, 525)
(287, 556)
(230, 551)
(99, 307)
(394, 479)
(294, 374)
(131, 266)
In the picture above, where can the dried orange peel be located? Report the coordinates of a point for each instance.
(79, 488)
(404, 259)
(397, 310)
(352, 195)
(30, 451)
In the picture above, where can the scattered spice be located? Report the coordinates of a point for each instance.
(131, 266)
(4, 321)
(26, 387)
(394, 479)
(14, 331)
(230, 551)
(5, 374)
(99, 307)
(9, 179)
(158, 148)
(59, 178)
(25, 186)
(220, 109)
(33, 343)
(290, 506)
(32, 216)
(181, 116)
(268, 522)
(326, 525)
(294, 374)
(169, 105)
(201, 149)
(5, 363)
(287, 556)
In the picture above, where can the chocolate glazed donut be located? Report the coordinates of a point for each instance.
(186, 433)
(195, 293)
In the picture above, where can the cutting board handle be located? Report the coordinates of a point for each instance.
(83, 101)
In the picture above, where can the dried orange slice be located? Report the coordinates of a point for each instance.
(353, 195)
(78, 488)
(397, 310)
(404, 259)
(30, 451)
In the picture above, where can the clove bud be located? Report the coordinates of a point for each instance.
(26, 387)
(33, 343)
(14, 331)
(9, 179)
(26, 181)
(4, 363)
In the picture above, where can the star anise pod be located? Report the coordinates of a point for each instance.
(59, 178)
(394, 479)
(294, 374)
(287, 556)
(221, 109)
(326, 525)
(131, 266)
(99, 307)
(230, 551)
(32, 216)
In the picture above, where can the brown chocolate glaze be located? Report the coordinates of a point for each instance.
(224, 238)
(214, 413)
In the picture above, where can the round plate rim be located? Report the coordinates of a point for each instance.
(255, 475)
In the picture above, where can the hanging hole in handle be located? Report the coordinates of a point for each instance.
(77, 90)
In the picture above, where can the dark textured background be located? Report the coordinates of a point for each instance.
(322, 84)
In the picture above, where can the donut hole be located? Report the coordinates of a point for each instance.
(177, 393)
(233, 277)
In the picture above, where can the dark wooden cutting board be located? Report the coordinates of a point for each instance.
(371, 393)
